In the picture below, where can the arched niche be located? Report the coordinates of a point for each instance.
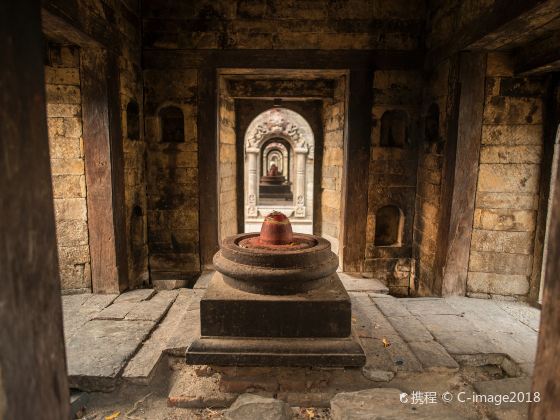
(283, 126)
(389, 223)
(133, 121)
(394, 129)
(172, 124)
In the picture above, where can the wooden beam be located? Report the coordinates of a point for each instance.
(488, 29)
(287, 59)
(540, 56)
(551, 120)
(462, 194)
(33, 382)
(208, 165)
(356, 169)
(286, 88)
(547, 368)
(104, 164)
(71, 21)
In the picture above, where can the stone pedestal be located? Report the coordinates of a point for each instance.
(275, 187)
(280, 305)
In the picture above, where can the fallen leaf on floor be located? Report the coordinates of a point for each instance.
(310, 413)
(385, 342)
(113, 416)
(354, 319)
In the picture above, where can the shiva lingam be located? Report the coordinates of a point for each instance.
(274, 185)
(275, 300)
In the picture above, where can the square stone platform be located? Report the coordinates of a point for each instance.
(304, 329)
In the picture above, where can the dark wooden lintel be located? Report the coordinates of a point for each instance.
(540, 56)
(284, 59)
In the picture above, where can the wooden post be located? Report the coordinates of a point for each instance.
(33, 382)
(460, 178)
(208, 165)
(356, 169)
(547, 368)
(104, 163)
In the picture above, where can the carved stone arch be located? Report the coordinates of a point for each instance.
(285, 124)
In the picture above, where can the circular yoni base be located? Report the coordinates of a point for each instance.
(301, 265)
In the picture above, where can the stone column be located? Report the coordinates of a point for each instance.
(252, 181)
(285, 169)
(301, 156)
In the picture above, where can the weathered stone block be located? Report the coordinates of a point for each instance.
(511, 135)
(70, 209)
(501, 263)
(64, 147)
(516, 178)
(498, 200)
(511, 154)
(72, 232)
(73, 254)
(72, 127)
(505, 219)
(497, 241)
(511, 110)
(501, 284)
(67, 166)
(63, 110)
(62, 76)
(63, 94)
(69, 186)
(499, 64)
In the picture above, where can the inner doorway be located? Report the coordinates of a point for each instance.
(279, 149)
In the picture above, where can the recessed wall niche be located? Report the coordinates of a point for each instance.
(172, 125)
(133, 120)
(394, 129)
(388, 226)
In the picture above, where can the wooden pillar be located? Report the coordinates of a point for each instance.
(208, 165)
(356, 169)
(460, 175)
(547, 369)
(104, 162)
(33, 381)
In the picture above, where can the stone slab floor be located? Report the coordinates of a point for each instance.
(125, 359)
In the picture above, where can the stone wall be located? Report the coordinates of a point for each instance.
(64, 111)
(392, 177)
(334, 120)
(172, 175)
(276, 24)
(228, 165)
(134, 144)
(508, 183)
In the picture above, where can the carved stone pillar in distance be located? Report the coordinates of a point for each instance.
(301, 156)
(252, 181)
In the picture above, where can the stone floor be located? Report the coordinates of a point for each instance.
(125, 354)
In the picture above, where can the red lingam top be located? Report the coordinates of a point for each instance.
(276, 229)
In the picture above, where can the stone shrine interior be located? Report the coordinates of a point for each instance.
(280, 209)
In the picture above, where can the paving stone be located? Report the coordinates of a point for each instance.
(143, 365)
(523, 313)
(474, 342)
(429, 307)
(353, 283)
(433, 356)
(391, 307)
(116, 311)
(446, 323)
(99, 351)
(153, 309)
(410, 329)
(518, 389)
(251, 406)
(136, 295)
(79, 309)
(384, 403)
